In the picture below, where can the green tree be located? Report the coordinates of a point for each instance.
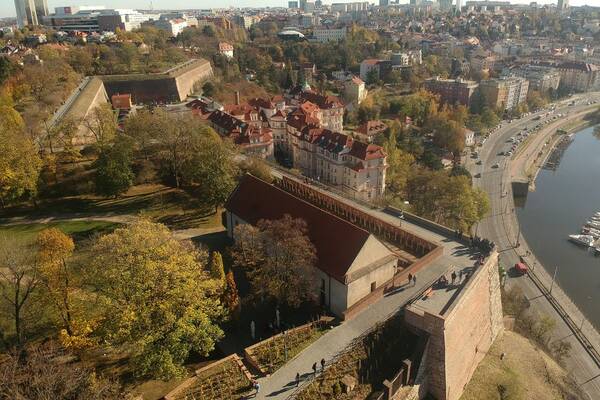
(210, 168)
(489, 117)
(156, 297)
(114, 175)
(19, 162)
(6, 68)
(208, 89)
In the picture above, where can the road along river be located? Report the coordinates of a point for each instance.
(562, 202)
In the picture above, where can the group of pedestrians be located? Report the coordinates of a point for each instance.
(412, 279)
(256, 385)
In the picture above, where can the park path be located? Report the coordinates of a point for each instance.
(281, 384)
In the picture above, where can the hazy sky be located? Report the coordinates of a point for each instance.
(7, 7)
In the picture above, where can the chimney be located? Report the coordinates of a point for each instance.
(237, 98)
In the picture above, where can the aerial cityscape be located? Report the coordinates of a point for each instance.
(304, 199)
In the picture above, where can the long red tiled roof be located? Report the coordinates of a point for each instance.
(337, 241)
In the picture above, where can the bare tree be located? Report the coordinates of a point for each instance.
(279, 259)
(19, 278)
(44, 372)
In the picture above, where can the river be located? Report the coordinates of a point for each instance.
(562, 202)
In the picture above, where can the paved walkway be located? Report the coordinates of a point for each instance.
(281, 384)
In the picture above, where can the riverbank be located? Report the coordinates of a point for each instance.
(582, 329)
(532, 154)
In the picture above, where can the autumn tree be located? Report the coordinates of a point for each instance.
(19, 162)
(102, 123)
(257, 167)
(19, 279)
(217, 270)
(400, 163)
(57, 275)
(156, 297)
(231, 298)
(282, 267)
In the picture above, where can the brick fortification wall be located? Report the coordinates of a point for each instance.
(188, 77)
(461, 336)
(172, 86)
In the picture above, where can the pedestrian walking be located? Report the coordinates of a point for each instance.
(256, 387)
(322, 364)
(414, 280)
(297, 379)
(409, 278)
(315, 369)
(453, 277)
(460, 275)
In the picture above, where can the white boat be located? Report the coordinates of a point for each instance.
(593, 224)
(592, 232)
(582, 240)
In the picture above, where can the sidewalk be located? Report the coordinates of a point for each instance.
(281, 384)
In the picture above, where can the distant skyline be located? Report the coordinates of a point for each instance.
(7, 7)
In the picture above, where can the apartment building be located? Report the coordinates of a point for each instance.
(504, 93)
(541, 79)
(452, 91)
(579, 76)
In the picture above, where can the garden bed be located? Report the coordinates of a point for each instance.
(226, 379)
(270, 354)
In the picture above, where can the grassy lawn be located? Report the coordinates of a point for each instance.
(173, 207)
(77, 229)
(526, 372)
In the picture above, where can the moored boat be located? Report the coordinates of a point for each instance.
(582, 240)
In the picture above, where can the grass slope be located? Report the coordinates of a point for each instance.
(526, 372)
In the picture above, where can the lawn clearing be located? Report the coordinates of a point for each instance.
(526, 372)
(77, 229)
(173, 207)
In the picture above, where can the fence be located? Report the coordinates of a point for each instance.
(250, 353)
(295, 395)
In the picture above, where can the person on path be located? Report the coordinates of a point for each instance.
(322, 364)
(414, 280)
(257, 388)
(453, 277)
(409, 278)
(460, 275)
(297, 379)
(314, 367)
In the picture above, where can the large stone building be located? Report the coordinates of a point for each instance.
(452, 91)
(355, 90)
(346, 274)
(504, 93)
(325, 34)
